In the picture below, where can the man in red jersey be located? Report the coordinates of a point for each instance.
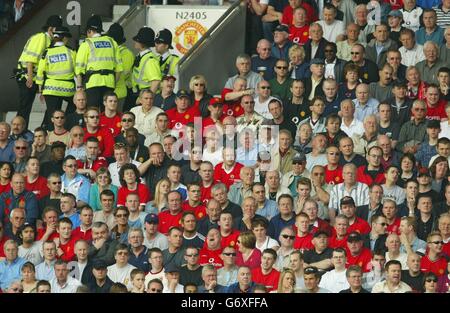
(303, 238)
(333, 172)
(93, 129)
(357, 254)
(183, 113)
(206, 173)
(389, 211)
(210, 254)
(228, 234)
(434, 261)
(33, 182)
(373, 171)
(311, 208)
(229, 170)
(348, 208)
(216, 115)
(444, 228)
(289, 9)
(194, 203)
(65, 244)
(172, 216)
(111, 118)
(84, 231)
(265, 274)
(50, 219)
(232, 97)
(338, 237)
(93, 161)
(435, 106)
(299, 30)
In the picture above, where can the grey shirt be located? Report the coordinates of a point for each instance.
(429, 73)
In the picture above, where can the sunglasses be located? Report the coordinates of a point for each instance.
(249, 102)
(191, 255)
(156, 290)
(229, 254)
(56, 183)
(282, 67)
(21, 148)
(129, 120)
(199, 85)
(429, 280)
(437, 242)
(265, 87)
(419, 109)
(78, 135)
(288, 237)
(71, 165)
(94, 116)
(354, 53)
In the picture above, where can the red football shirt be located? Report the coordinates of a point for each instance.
(333, 177)
(359, 225)
(69, 249)
(230, 177)
(211, 257)
(111, 123)
(199, 211)
(362, 260)
(177, 119)
(438, 267)
(5, 188)
(41, 233)
(394, 227)
(299, 35)
(254, 260)
(39, 187)
(142, 191)
(79, 234)
(438, 112)
(167, 221)
(270, 280)
(205, 192)
(335, 243)
(231, 108)
(230, 240)
(446, 249)
(303, 243)
(288, 13)
(98, 162)
(106, 141)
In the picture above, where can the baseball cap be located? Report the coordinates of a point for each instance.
(171, 268)
(395, 13)
(424, 171)
(215, 101)
(433, 124)
(311, 270)
(99, 264)
(281, 28)
(58, 144)
(347, 200)
(354, 236)
(299, 157)
(182, 93)
(167, 77)
(321, 232)
(152, 218)
(317, 61)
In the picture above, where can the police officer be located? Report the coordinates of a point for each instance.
(146, 70)
(98, 63)
(28, 62)
(124, 85)
(55, 75)
(167, 61)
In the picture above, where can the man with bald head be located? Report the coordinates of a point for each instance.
(364, 104)
(429, 67)
(369, 138)
(18, 197)
(263, 63)
(211, 219)
(19, 130)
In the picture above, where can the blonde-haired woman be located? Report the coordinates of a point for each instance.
(287, 282)
(160, 200)
(102, 182)
(199, 95)
(298, 68)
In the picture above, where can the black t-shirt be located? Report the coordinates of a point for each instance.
(188, 276)
(234, 209)
(45, 202)
(188, 175)
(350, 291)
(357, 160)
(74, 119)
(165, 104)
(311, 256)
(94, 288)
(289, 125)
(416, 283)
(52, 167)
(296, 112)
(198, 241)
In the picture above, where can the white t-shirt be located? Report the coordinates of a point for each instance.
(334, 281)
(33, 254)
(268, 243)
(121, 274)
(160, 241)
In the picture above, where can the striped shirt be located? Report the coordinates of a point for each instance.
(443, 18)
(359, 192)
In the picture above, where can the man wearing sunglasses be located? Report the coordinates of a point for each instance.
(227, 275)
(93, 129)
(434, 261)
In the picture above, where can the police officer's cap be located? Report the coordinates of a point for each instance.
(61, 32)
(53, 21)
(116, 32)
(164, 36)
(95, 23)
(146, 36)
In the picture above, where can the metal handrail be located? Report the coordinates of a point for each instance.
(130, 12)
(210, 31)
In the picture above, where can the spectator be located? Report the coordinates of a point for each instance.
(393, 283)
(312, 279)
(263, 63)
(227, 275)
(244, 284)
(336, 279)
(63, 283)
(354, 278)
(413, 276)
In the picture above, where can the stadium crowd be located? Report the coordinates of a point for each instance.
(322, 167)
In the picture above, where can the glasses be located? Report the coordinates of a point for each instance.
(249, 102)
(21, 148)
(17, 289)
(265, 87)
(58, 117)
(78, 135)
(282, 67)
(156, 290)
(333, 153)
(429, 280)
(229, 254)
(192, 255)
(94, 116)
(319, 174)
(199, 85)
(437, 242)
(288, 237)
(129, 120)
(354, 53)
(56, 183)
(71, 165)
(419, 109)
